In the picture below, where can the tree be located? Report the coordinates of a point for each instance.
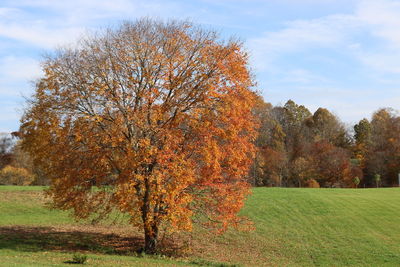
(285, 141)
(356, 181)
(301, 169)
(10, 175)
(377, 179)
(383, 150)
(362, 136)
(362, 132)
(262, 112)
(330, 164)
(326, 126)
(292, 120)
(22, 160)
(6, 145)
(158, 116)
(273, 167)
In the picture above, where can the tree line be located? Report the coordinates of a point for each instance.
(297, 148)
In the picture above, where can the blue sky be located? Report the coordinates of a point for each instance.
(342, 55)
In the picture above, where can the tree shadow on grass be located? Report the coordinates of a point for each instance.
(37, 239)
(34, 239)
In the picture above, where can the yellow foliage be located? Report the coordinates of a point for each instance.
(10, 175)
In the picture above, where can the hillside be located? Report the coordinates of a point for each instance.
(294, 227)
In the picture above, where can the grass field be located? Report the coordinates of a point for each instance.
(294, 227)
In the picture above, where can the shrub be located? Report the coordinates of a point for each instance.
(312, 183)
(10, 175)
(22, 159)
(79, 258)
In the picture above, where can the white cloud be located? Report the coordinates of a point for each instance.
(60, 22)
(69, 19)
(370, 35)
(6, 12)
(383, 18)
(16, 74)
(331, 31)
(40, 35)
(378, 19)
(19, 68)
(17, 24)
(41, 25)
(303, 76)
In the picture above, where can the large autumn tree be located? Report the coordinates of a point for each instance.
(156, 116)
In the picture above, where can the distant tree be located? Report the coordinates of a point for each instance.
(356, 181)
(383, 150)
(331, 164)
(362, 136)
(22, 160)
(262, 111)
(327, 127)
(10, 175)
(158, 116)
(6, 145)
(302, 170)
(295, 131)
(273, 167)
(362, 132)
(296, 146)
(290, 137)
(377, 179)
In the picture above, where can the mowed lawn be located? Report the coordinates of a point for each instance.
(293, 227)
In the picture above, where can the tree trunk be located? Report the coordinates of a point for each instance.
(150, 239)
(150, 226)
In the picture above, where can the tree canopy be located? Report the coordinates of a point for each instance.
(157, 116)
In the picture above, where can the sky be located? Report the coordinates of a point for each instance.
(343, 55)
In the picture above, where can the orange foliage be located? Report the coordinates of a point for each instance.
(332, 165)
(157, 116)
(312, 183)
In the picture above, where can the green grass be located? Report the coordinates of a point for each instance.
(294, 227)
(328, 227)
(24, 205)
(21, 188)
